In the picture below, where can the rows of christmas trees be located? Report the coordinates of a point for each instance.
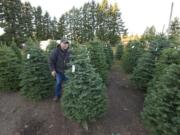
(153, 62)
(26, 70)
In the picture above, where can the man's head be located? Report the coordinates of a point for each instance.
(64, 44)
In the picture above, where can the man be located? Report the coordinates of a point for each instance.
(58, 63)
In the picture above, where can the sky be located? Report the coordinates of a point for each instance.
(137, 14)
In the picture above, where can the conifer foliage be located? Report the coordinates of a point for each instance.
(36, 82)
(84, 97)
(162, 104)
(109, 54)
(144, 70)
(10, 68)
(131, 55)
(119, 51)
(52, 45)
(98, 58)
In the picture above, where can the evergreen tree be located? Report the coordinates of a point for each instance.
(144, 71)
(161, 107)
(1, 12)
(27, 21)
(102, 19)
(38, 21)
(174, 32)
(131, 55)
(31, 43)
(35, 82)
(109, 54)
(149, 34)
(158, 44)
(168, 56)
(84, 91)
(74, 24)
(116, 28)
(61, 28)
(16, 50)
(110, 26)
(11, 22)
(119, 51)
(88, 25)
(53, 29)
(52, 45)
(98, 58)
(10, 68)
(90, 21)
(46, 26)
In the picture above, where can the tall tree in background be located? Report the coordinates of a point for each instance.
(74, 24)
(46, 26)
(88, 19)
(116, 28)
(26, 21)
(110, 26)
(11, 22)
(60, 27)
(102, 18)
(149, 34)
(38, 21)
(174, 33)
(53, 28)
(92, 20)
(1, 11)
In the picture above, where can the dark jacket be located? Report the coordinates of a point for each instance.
(58, 60)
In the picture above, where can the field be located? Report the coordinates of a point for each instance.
(19, 116)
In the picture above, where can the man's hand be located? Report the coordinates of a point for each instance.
(53, 73)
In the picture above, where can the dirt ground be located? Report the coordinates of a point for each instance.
(19, 116)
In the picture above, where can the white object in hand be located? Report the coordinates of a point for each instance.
(28, 56)
(73, 68)
(53, 73)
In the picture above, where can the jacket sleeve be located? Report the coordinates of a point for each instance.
(52, 60)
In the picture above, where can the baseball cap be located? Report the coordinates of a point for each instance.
(64, 41)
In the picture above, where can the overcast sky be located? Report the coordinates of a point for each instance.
(137, 14)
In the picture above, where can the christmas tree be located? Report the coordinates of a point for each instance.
(98, 58)
(131, 55)
(158, 44)
(144, 71)
(109, 54)
(168, 56)
(16, 50)
(84, 97)
(119, 51)
(10, 68)
(161, 111)
(36, 82)
(53, 44)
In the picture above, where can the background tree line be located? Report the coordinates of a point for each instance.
(21, 21)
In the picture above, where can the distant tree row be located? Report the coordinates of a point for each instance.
(153, 62)
(21, 21)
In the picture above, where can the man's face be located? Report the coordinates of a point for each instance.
(64, 46)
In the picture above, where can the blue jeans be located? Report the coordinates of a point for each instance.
(60, 77)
